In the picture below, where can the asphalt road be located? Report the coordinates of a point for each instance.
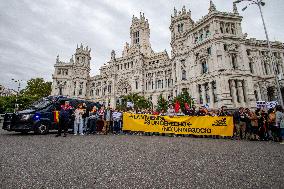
(32, 161)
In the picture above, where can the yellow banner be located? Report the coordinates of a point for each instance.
(203, 125)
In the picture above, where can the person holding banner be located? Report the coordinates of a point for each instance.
(171, 111)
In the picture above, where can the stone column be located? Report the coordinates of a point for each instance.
(210, 91)
(246, 92)
(203, 94)
(233, 91)
(240, 91)
(258, 92)
(77, 88)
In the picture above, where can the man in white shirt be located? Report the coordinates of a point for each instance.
(117, 117)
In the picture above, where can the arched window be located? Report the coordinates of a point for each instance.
(183, 77)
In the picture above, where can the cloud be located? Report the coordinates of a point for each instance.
(32, 33)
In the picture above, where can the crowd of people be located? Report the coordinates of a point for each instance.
(259, 124)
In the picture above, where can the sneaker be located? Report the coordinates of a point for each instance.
(57, 135)
(75, 134)
(281, 143)
(82, 134)
(65, 135)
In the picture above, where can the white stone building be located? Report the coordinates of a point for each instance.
(6, 92)
(211, 58)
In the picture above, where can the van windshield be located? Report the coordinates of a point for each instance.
(42, 103)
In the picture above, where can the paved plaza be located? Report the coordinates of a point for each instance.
(128, 161)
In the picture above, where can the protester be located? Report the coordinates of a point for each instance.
(240, 123)
(107, 120)
(262, 123)
(163, 113)
(271, 123)
(279, 120)
(100, 122)
(78, 122)
(180, 113)
(192, 111)
(85, 117)
(201, 111)
(171, 111)
(254, 125)
(94, 115)
(117, 117)
(64, 118)
(223, 111)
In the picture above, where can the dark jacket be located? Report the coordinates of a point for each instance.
(65, 112)
(238, 117)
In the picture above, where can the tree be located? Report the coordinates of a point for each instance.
(37, 87)
(162, 104)
(183, 99)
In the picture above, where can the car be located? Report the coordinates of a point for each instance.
(40, 117)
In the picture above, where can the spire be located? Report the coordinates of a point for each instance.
(212, 7)
(112, 55)
(183, 9)
(81, 47)
(57, 59)
(175, 11)
(235, 8)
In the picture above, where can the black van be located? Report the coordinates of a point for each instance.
(39, 117)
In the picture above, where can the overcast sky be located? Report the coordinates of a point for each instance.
(34, 32)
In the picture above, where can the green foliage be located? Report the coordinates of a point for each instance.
(183, 98)
(140, 102)
(162, 104)
(36, 88)
(7, 103)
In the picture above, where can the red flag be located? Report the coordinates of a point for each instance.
(186, 106)
(177, 106)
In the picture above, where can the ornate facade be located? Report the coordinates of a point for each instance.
(211, 58)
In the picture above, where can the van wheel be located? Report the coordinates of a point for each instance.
(41, 129)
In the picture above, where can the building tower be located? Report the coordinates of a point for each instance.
(140, 34)
(81, 71)
(181, 22)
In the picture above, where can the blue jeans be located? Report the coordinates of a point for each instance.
(116, 126)
(80, 124)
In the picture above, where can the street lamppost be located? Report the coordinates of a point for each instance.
(260, 3)
(17, 94)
